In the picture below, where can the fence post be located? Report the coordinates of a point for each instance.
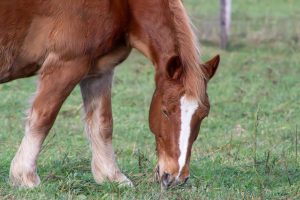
(225, 21)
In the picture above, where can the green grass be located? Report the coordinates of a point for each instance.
(247, 145)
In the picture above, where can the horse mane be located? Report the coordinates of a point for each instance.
(189, 52)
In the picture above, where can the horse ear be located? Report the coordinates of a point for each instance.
(174, 68)
(211, 66)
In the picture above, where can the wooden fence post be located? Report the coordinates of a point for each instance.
(225, 21)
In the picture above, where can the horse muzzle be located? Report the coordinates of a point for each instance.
(169, 181)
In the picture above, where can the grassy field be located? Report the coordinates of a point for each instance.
(247, 147)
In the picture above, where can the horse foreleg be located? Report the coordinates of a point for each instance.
(96, 93)
(57, 80)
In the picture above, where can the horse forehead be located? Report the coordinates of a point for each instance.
(188, 106)
(172, 94)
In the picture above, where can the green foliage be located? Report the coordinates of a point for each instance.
(247, 145)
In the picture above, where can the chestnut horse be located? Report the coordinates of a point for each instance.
(74, 42)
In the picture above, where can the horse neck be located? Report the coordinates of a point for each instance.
(151, 31)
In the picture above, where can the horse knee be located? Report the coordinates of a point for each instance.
(99, 124)
(106, 127)
(41, 118)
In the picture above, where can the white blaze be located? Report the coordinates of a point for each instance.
(188, 108)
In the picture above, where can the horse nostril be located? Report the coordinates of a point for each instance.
(166, 180)
(156, 174)
(186, 179)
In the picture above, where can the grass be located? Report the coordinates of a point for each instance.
(247, 147)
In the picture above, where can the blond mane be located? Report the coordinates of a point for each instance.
(189, 52)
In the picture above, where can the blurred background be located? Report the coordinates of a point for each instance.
(247, 148)
(253, 22)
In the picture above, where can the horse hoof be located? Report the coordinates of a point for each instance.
(24, 179)
(123, 181)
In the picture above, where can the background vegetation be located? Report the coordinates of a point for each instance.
(247, 147)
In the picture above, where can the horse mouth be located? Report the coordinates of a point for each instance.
(168, 181)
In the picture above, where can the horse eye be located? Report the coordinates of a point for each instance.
(165, 113)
